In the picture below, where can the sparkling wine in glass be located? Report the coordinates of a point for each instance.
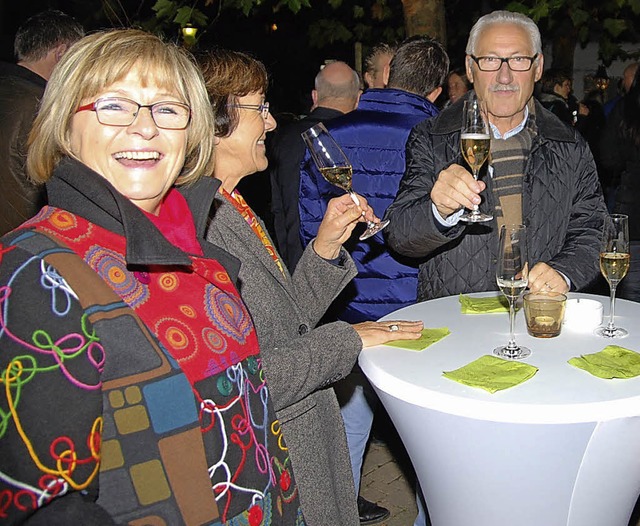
(614, 265)
(475, 142)
(335, 167)
(512, 276)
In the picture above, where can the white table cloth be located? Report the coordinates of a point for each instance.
(562, 448)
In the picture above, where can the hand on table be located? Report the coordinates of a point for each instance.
(340, 218)
(455, 188)
(376, 333)
(542, 278)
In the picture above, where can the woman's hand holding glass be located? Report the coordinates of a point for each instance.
(340, 218)
(336, 169)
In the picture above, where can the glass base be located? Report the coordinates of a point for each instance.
(516, 353)
(475, 217)
(373, 229)
(611, 332)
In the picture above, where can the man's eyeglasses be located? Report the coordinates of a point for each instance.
(262, 108)
(118, 111)
(495, 63)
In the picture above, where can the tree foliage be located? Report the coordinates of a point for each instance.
(609, 22)
(335, 21)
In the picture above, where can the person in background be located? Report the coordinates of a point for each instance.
(625, 84)
(556, 88)
(590, 123)
(336, 92)
(39, 44)
(286, 307)
(132, 383)
(373, 137)
(376, 65)
(610, 171)
(541, 174)
(620, 153)
(457, 85)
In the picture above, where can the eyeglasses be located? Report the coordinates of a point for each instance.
(262, 108)
(118, 111)
(495, 63)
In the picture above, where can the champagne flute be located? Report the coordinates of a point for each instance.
(475, 142)
(614, 265)
(335, 167)
(512, 273)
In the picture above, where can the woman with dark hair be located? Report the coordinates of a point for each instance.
(620, 154)
(286, 308)
(555, 88)
(457, 85)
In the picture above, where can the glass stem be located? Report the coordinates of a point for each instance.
(474, 172)
(354, 197)
(612, 306)
(512, 320)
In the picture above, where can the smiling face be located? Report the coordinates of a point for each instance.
(243, 152)
(456, 87)
(141, 160)
(506, 92)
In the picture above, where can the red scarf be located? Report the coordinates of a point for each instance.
(175, 221)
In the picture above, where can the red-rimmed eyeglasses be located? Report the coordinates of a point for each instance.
(118, 111)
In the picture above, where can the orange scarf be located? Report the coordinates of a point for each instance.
(245, 211)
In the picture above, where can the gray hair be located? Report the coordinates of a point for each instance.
(343, 88)
(504, 17)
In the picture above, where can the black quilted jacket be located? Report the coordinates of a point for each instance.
(562, 205)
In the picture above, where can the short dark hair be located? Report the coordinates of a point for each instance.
(552, 77)
(419, 65)
(43, 32)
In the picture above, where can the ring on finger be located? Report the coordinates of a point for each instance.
(393, 327)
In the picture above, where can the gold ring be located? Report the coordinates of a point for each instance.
(394, 328)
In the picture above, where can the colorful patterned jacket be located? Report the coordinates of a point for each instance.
(132, 386)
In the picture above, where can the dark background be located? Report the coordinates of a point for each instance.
(291, 61)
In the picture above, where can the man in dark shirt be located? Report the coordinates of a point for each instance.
(39, 44)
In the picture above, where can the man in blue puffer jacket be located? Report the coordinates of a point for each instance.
(373, 137)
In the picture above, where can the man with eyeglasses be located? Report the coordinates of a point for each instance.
(540, 173)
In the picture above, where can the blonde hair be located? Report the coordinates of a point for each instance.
(96, 62)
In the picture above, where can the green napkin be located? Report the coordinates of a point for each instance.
(469, 305)
(611, 362)
(428, 337)
(492, 374)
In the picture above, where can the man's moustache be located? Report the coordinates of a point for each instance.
(504, 87)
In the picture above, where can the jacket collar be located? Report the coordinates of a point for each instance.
(14, 70)
(549, 126)
(78, 189)
(323, 113)
(396, 100)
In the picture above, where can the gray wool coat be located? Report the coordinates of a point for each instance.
(301, 361)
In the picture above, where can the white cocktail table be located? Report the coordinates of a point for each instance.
(563, 448)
